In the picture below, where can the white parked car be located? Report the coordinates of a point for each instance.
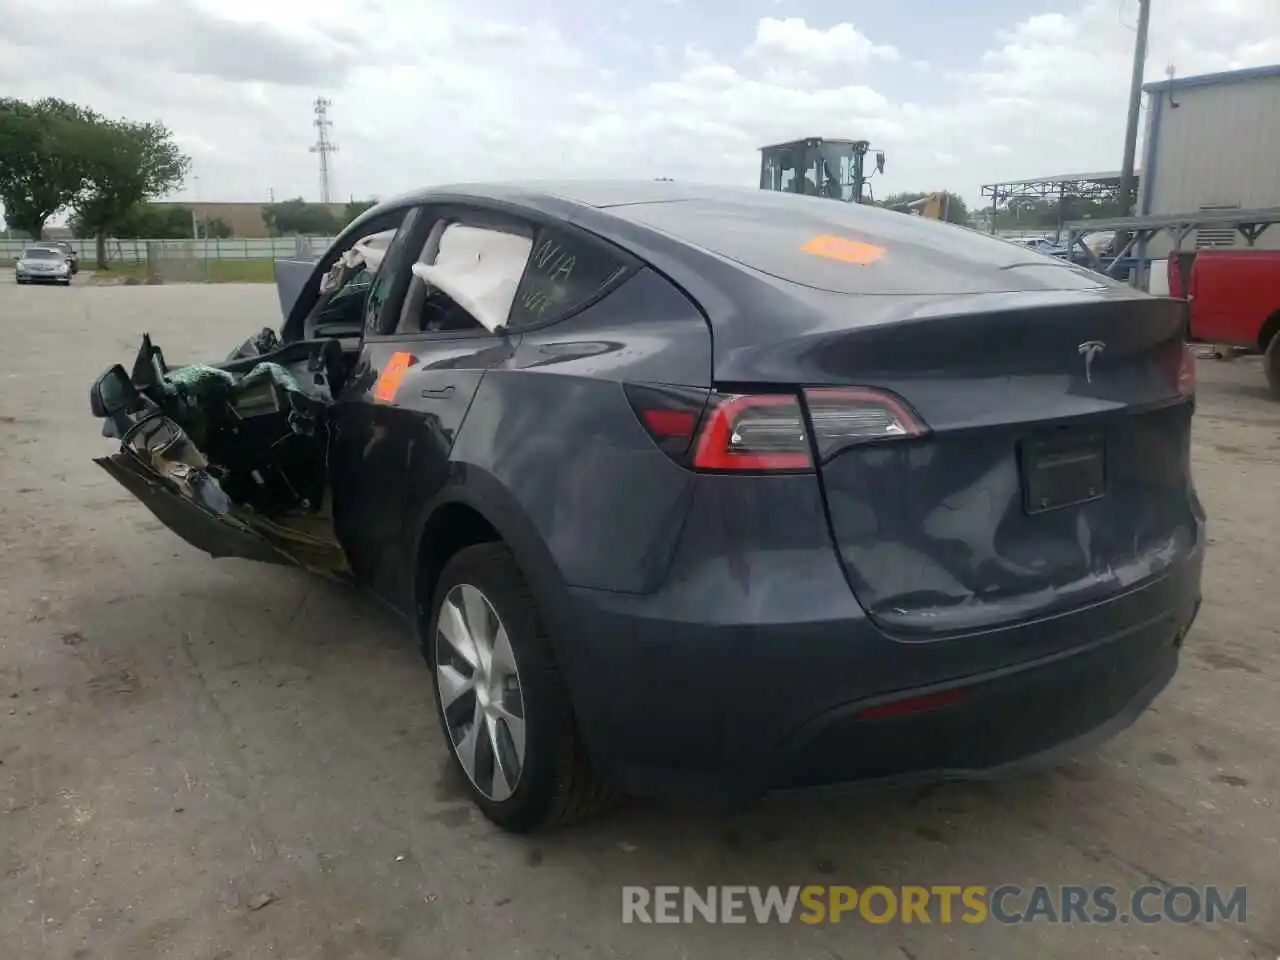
(42, 265)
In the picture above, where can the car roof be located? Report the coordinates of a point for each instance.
(802, 241)
(601, 194)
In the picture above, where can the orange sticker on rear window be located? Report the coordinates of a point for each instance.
(389, 382)
(843, 249)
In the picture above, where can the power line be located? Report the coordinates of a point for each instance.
(324, 146)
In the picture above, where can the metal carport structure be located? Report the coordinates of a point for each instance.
(1100, 186)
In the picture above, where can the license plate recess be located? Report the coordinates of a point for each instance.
(1063, 469)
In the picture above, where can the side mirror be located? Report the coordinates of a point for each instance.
(113, 393)
(149, 367)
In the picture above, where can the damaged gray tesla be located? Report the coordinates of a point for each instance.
(706, 492)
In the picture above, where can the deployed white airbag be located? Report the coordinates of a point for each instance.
(373, 248)
(479, 269)
(366, 252)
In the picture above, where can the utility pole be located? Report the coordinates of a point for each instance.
(195, 229)
(323, 146)
(1126, 197)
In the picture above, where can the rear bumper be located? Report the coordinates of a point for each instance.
(1050, 755)
(1007, 722)
(730, 712)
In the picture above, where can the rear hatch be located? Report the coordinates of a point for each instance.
(1042, 458)
(1052, 466)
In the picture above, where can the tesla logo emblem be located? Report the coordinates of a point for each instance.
(1090, 349)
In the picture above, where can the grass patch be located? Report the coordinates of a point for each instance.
(190, 271)
(241, 271)
(126, 272)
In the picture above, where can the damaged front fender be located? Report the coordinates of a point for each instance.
(232, 457)
(218, 536)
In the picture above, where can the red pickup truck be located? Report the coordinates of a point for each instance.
(1234, 299)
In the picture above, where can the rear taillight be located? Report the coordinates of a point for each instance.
(669, 414)
(1179, 367)
(845, 416)
(1187, 372)
(768, 432)
(757, 432)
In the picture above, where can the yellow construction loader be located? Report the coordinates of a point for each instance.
(932, 205)
(825, 167)
(820, 167)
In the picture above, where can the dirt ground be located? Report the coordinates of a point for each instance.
(183, 739)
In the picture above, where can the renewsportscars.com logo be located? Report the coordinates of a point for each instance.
(942, 904)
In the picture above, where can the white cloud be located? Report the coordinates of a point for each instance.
(794, 40)
(1054, 87)
(431, 90)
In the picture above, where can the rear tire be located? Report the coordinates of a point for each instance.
(1271, 364)
(554, 780)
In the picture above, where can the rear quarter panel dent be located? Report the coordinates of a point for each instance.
(572, 457)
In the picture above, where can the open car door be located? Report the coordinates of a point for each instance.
(232, 457)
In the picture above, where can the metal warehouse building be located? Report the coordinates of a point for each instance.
(1212, 142)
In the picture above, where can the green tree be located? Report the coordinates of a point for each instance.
(957, 211)
(126, 164)
(356, 207)
(150, 221)
(144, 221)
(216, 228)
(296, 216)
(164, 223)
(42, 150)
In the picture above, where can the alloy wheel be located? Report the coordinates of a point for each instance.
(480, 693)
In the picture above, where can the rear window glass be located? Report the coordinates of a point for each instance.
(564, 271)
(856, 248)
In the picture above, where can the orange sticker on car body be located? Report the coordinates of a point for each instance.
(843, 249)
(389, 380)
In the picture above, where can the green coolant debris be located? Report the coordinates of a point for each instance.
(186, 390)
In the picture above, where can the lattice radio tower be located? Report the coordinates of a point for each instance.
(324, 146)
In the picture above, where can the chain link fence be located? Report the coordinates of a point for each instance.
(196, 261)
(180, 255)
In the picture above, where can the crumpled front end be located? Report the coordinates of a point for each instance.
(231, 457)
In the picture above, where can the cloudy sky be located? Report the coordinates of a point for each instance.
(427, 91)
